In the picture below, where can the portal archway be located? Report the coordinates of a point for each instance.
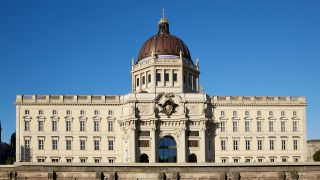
(167, 150)
(144, 158)
(192, 158)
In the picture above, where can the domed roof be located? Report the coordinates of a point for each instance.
(164, 43)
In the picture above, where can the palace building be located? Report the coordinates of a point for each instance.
(165, 119)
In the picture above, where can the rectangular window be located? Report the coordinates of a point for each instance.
(271, 142)
(259, 144)
(283, 126)
(236, 160)
(295, 126)
(68, 126)
(83, 160)
(193, 143)
(283, 144)
(96, 145)
(96, 126)
(54, 125)
(284, 159)
(143, 80)
(26, 125)
(247, 160)
(271, 126)
(175, 77)
(68, 144)
(82, 125)
(40, 144)
(272, 160)
(259, 126)
(82, 144)
(27, 143)
(138, 81)
(235, 126)
(223, 126)
(294, 113)
(282, 113)
(69, 160)
(295, 144)
(234, 113)
(149, 78)
(111, 160)
(158, 77)
(295, 159)
(97, 160)
(258, 113)
(166, 76)
(110, 126)
(270, 113)
(235, 145)
(247, 126)
(223, 145)
(260, 160)
(246, 113)
(54, 160)
(40, 125)
(222, 113)
(40, 159)
(54, 144)
(223, 160)
(247, 145)
(110, 144)
(143, 143)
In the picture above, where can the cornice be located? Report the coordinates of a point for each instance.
(69, 104)
(286, 105)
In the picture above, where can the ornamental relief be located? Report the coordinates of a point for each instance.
(144, 109)
(193, 110)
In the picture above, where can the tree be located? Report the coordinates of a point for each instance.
(316, 156)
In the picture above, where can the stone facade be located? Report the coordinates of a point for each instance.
(312, 147)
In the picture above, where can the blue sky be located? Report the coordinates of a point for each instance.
(247, 48)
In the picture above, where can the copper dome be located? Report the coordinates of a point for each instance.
(164, 43)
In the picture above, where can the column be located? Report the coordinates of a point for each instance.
(154, 149)
(132, 145)
(182, 147)
(202, 155)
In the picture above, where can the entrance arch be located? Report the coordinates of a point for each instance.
(144, 158)
(192, 158)
(167, 150)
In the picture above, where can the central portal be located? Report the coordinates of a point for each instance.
(167, 150)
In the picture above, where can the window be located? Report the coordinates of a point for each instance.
(247, 145)
(96, 160)
(82, 125)
(284, 159)
(138, 81)
(184, 78)
(110, 144)
(110, 112)
(68, 126)
(271, 126)
(54, 144)
(54, 125)
(96, 126)
(40, 112)
(247, 126)
(222, 113)
(223, 126)
(26, 125)
(295, 159)
(259, 144)
(234, 113)
(247, 160)
(27, 143)
(27, 112)
(283, 126)
(259, 113)
(68, 112)
(68, 144)
(235, 160)
(272, 160)
(175, 77)
(96, 145)
(283, 113)
(149, 78)
(40, 159)
(145, 143)
(294, 113)
(166, 76)
(235, 126)
(189, 79)
(40, 144)
(69, 160)
(158, 77)
(260, 160)
(110, 126)
(82, 112)
(40, 125)
(223, 145)
(111, 160)
(259, 126)
(54, 160)
(271, 142)
(223, 160)
(270, 113)
(295, 126)
(54, 112)
(246, 113)
(82, 144)
(295, 144)
(235, 145)
(283, 144)
(83, 160)
(143, 80)
(96, 112)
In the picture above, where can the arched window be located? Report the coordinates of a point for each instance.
(40, 112)
(192, 158)
(167, 150)
(68, 112)
(54, 112)
(144, 158)
(82, 112)
(96, 112)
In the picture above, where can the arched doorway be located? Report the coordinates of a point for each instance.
(144, 158)
(192, 158)
(167, 150)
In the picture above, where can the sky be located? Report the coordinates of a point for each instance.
(245, 48)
